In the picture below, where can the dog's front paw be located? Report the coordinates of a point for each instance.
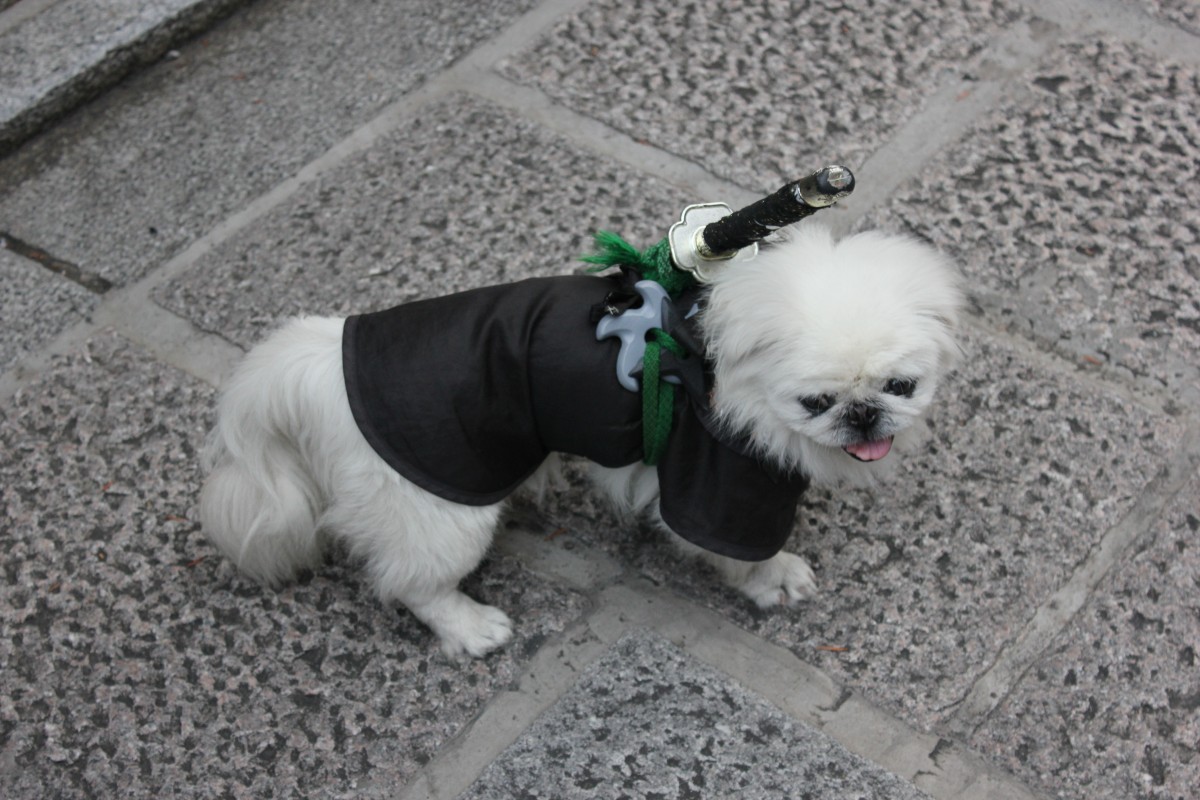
(782, 580)
(475, 631)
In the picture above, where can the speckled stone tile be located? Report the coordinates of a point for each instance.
(648, 721)
(924, 580)
(757, 92)
(131, 179)
(37, 305)
(71, 48)
(135, 662)
(1113, 710)
(1072, 209)
(466, 196)
(1184, 13)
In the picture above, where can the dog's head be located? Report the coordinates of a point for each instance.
(827, 353)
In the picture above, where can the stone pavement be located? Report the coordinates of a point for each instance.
(1017, 617)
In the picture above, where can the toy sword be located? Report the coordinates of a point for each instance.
(710, 237)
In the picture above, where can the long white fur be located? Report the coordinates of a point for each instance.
(813, 315)
(288, 467)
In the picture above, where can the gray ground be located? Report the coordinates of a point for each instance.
(1017, 617)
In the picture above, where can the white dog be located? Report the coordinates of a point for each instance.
(820, 355)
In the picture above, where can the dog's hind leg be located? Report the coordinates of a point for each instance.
(631, 490)
(416, 548)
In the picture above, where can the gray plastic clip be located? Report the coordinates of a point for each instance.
(631, 327)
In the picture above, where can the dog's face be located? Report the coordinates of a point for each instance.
(829, 353)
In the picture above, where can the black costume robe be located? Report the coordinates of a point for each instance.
(466, 395)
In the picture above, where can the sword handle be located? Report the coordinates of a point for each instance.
(792, 203)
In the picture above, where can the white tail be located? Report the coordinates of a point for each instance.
(262, 501)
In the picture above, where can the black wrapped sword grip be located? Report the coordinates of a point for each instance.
(791, 203)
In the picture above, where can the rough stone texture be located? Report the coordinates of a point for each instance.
(376, 232)
(757, 92)
(37, 305)
(1184, 13)
(647, 721)
(74, 48)
(136, 662)
(1072, 210)
(249, 103)
(1113, 710)
(65, 35)
(926, 578)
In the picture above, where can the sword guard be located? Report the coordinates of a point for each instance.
(709, 237)
(689, 251)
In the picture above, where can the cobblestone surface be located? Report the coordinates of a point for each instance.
(1111, 709)
(750, 89)
(1013, 616)
(380, 231)
(646, 721)
(137, 661)
(1071, 211)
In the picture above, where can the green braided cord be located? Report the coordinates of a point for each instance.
(653, 265)
(658, 397)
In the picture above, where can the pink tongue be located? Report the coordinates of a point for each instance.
(870, 451)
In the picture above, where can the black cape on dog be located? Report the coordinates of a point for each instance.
(466, 395)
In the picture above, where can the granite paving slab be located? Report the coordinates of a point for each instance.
(1113, 710)
(756, 91)
(1072, 210)
(464, 196)
(1184, 13)
(37, 305)
(131, 179)
(136, 662)
(73, 48)
(646, 720)
(925, 579)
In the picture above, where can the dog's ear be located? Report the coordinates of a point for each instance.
(950, 349)
(938, 298)
(942, 311)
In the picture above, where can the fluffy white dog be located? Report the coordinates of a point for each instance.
(821, 357)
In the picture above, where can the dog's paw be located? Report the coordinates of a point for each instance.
(475, 631)
(783, 580)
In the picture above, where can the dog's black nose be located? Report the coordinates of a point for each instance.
(861, 416)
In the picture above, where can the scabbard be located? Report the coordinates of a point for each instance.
(792, 203)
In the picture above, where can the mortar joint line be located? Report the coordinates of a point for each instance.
(1104, 377)
(1117, 541)
(93, 282)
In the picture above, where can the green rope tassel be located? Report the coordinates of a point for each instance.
(658, 397)
(654, 264)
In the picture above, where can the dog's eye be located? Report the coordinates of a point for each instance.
(901, 387)
(817, 404)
